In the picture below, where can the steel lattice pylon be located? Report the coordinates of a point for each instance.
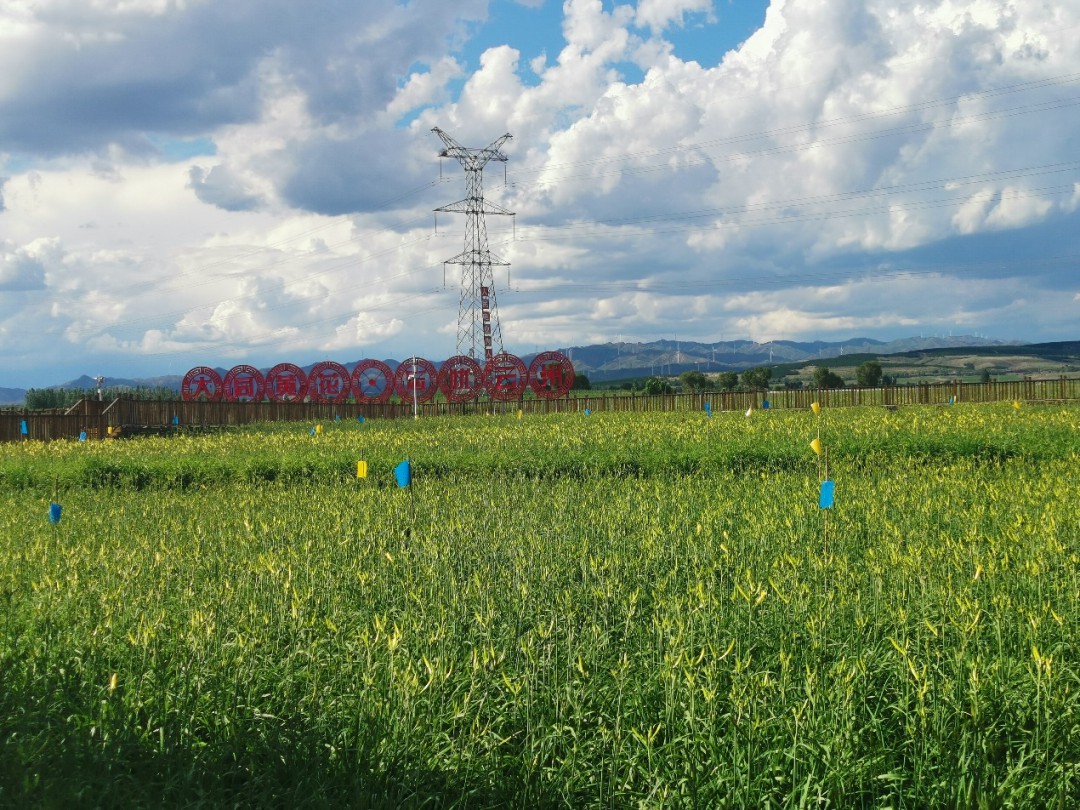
(478, 313)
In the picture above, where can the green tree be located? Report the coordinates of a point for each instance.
(581, 383)
(869, 374)
(757, 379)
(655, 385)
(823, 378)
(38, 398)
(694, 381)
(727, 380)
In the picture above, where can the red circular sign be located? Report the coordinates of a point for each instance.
(418, 372)
(461, 379)
(244, 384)
(286, 382)
(505, 377)
(329, 382)
(372, 381)
(551, 375)
(201, 383)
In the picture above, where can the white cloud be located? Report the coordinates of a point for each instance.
(659, 14)
(588, 28)
(1016, 207)
(363, 330)
(652, 195)
(423, 88)
(971, 215)
(221, 186)
(24, 269)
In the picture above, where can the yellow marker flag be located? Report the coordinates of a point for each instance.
(318, 429)
(361, 469)
(520, 413)
(815, 445)
(1016, 404)
(815, 407)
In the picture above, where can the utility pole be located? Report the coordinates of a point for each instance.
(478, 313)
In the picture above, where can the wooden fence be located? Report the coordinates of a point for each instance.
(96, 419)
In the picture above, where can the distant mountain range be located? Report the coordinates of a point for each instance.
(612, 361)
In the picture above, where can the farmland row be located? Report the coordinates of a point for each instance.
(606, 444)
(699, 635)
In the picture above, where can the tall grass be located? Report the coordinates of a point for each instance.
(570, 612)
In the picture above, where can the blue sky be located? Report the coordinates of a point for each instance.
(253, 181)
(702, 36)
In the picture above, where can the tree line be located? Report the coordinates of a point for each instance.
(40, 399)
(867, 375)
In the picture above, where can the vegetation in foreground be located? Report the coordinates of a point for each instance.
(563, 611)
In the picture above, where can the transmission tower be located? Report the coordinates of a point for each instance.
(478, 314)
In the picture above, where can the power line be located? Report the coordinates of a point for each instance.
(924, 185)
(672, 223)
(870, 274)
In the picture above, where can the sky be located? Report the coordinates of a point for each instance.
(224, 182)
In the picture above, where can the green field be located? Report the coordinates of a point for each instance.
(617, 610)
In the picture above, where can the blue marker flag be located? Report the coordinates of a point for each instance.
(23, 429)
(337, 417)
(176, 420)
(708, 409)
(765, 404)
(54, 512)
(82, 435)
(587, 412)
(360, 418)
(403, 473)
(828, 491)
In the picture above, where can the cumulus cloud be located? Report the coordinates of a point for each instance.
(780, 190)
(659, 14)
(222, 187)
(21, 272)
(361, 172)
(78, 77)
